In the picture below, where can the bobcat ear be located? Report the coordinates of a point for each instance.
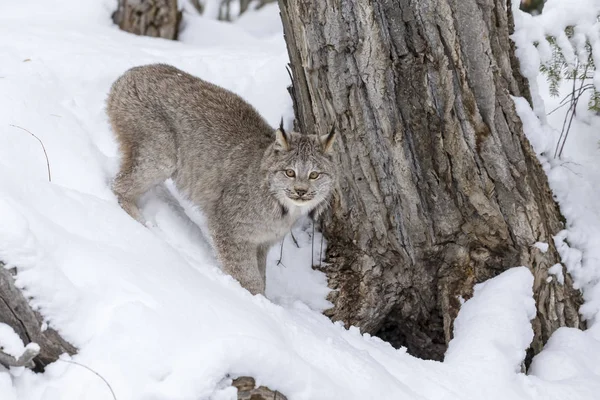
(281, 138)
(327, 140)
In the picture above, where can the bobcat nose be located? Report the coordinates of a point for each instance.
(300, 192)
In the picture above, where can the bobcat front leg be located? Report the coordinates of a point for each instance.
(261, 259)
(239, 260)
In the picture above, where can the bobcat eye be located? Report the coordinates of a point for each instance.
(314, 175)
(290, 173)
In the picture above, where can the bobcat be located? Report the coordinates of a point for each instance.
(251, 181)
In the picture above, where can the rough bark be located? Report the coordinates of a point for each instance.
(247, 390)
(16, 312)
(439, 187)
(156, 18)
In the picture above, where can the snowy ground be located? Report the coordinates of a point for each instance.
(150, 310)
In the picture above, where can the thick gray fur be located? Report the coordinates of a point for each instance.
(223, 156)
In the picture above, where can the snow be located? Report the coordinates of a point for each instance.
(10, 342)
(264, 23)
(557, 271)
(292, 277)
(533, 49)
(543, 247)
(149, 308)
(575, 181)
(484, 321)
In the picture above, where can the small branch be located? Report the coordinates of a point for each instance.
(294, 239)
(568, 99)
(573, 103)
(569, 169)
(321, 252)
(558, 108)
(573, 97)
(94, 372)
(312, 246)
(280, 261)
(43, 148)
(26, 359)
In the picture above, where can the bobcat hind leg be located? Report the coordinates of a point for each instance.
(140, 171)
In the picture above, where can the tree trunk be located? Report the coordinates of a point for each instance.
(156, 18)
(16, 312)
(439, 188)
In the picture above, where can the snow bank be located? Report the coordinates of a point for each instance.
(493, 330)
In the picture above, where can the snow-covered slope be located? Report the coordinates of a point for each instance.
(149, 309)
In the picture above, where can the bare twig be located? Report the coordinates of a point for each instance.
(43, 148)
(280, 261)
(558, 108)
(573, 102)
(312, 246)
(294, 239)
(570, 162)
(576, 94)
(94, 372)
(568, 98)
(569, 169)
(321, 252)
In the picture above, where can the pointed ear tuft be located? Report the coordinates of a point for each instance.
(281, 139)
(281, 125)
(327, 140)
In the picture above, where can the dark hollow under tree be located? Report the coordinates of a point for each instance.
(439, 187)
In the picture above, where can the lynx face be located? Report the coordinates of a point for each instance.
(301, 170)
